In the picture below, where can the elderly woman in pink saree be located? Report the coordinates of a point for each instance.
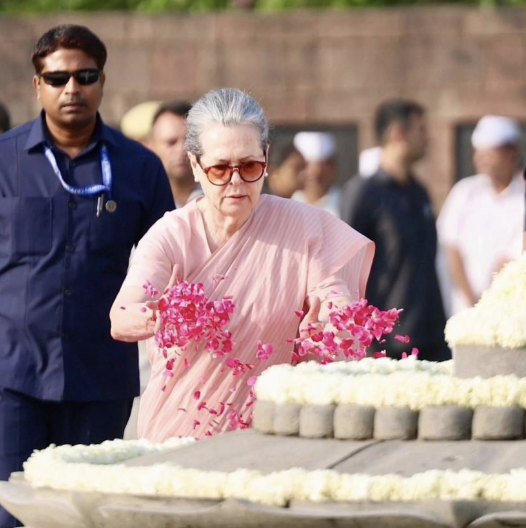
(278, 257)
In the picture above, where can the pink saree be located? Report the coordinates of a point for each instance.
(286, 253)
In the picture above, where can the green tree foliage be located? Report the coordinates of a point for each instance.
(156, 6)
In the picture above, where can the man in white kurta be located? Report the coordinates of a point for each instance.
(480, 225)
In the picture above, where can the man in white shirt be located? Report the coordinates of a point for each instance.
(317, 179)
(480, 225)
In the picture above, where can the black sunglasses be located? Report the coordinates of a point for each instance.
(61, 78)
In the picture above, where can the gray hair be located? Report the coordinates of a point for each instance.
(228, 107)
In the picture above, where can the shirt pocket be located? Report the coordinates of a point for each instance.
(115, 233)
(26, 226)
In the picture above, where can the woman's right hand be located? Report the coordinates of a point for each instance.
(132, 321)
(133, 315)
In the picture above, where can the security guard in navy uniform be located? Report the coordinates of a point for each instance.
(75, 196)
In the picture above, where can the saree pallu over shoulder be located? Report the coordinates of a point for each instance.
(285, 253)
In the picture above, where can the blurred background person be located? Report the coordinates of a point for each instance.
(319, 175)
(5, 119)
(136, 123)
(393, 209)
(285, 166)
(481, 222)
(167, 137)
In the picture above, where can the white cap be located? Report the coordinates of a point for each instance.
(315, 146)
(369, 161)
(495, 131)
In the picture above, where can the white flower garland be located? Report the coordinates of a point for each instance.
(499, 318)
(96, 468)
(386, 383)
(312, 382)
(69, 466)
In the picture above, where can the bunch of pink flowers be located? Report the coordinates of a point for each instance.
(186, 316)
(351, 330)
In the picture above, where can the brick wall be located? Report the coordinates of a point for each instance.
(305, 67)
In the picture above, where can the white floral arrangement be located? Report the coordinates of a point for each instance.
(99, 469)
(67, 466)
(386, 383)
(312, 382)
(499, 318)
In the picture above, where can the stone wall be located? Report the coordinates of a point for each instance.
(306, 67)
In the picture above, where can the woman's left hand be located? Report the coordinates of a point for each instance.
(319, 312)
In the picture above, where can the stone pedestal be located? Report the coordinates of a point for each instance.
(354, 422)
(317, 421)
(498, 423)
(287, 419)
(445, 423)
(263, 420)
(395, 423)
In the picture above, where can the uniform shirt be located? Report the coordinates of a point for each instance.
(485, 226)
(399, 220)
(61, 266)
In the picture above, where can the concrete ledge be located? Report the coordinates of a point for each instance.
(487, 362)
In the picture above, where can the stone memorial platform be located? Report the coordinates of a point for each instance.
(44, 507)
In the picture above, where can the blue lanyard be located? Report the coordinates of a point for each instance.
(87, 190)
